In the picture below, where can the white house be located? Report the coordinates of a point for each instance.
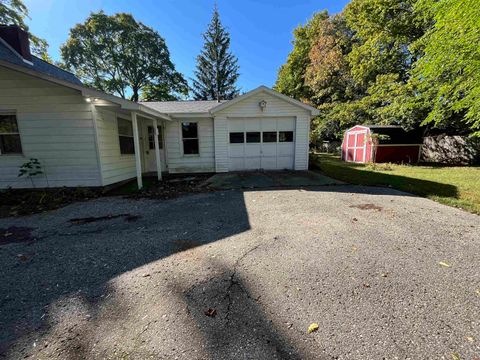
(84, 137)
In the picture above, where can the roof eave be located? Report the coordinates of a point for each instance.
(89, 92)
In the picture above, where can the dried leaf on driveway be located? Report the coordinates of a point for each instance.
(443, 263)
(313, 327)
(455, 356)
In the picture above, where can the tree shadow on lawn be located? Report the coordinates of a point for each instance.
(357, 174)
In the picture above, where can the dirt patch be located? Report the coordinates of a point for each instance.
(17, 202)
(15, 234)
(367, 207)
(170, 187)
(87, 220)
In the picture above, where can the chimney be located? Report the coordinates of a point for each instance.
(17, 39)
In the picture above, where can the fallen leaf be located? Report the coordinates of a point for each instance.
(469, 338)
(444, 264)
(211, 312)
(313, 327)
(455, 356)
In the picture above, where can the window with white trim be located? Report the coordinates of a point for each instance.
(190, 138)
(9, 136)
(125, 136)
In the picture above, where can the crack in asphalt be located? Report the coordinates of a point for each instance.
(233, 282)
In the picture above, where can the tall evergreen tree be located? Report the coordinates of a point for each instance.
(217, 67)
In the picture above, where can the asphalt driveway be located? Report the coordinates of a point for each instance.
(241, 275)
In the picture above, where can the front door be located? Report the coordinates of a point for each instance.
(149, 146)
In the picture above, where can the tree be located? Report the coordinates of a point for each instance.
(120, 55)
(291, 75)
(217, 68)
(384, 30)
(14, 12)
(449, 70)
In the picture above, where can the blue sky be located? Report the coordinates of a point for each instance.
(261, 30)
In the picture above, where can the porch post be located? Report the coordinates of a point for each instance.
(157, 149)
(136, 144)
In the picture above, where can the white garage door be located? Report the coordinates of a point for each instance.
(256, 143)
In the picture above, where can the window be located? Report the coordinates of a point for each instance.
(190, 138)
(151, 139)
(125, 136)
(237, 138)
(253, 137)
(269, 136)
(9, 135)
(285, 136)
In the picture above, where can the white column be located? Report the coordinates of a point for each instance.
(138, 156)
(157, 150)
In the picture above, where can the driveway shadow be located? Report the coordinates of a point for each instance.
(63, 257)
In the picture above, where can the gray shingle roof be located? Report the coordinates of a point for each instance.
(188, 106)
(43, 67)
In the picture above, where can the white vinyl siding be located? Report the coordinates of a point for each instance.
(115, 167)
(180, 163)
(56, 127)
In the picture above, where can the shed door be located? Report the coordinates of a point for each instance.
(256, 143)
(356, 146)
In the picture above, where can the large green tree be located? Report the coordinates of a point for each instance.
(449, 70)
(14, 12)
(217, 68)
(120, 55)
(291, 76)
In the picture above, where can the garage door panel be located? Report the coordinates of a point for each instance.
(237, 150)
(269, 162)
(252, 125)
(269, 150)
(269, 125)
(252, 150)
(285, 149)
(237, 164)
(285, 162)
(236, 125)
(286, 125)
(252, 163)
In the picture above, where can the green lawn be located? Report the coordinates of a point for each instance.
(457, 186)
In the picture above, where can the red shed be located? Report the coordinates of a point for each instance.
(381, 143)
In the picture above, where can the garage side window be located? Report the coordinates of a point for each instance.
(9, 135)
(190, 138)
(285, 136)
(125, 136)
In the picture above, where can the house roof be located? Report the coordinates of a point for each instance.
(213, 106)
(180, 107)
(9, 55)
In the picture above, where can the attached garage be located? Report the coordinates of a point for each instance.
(262, 130)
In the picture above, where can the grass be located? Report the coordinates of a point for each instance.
(457, 186)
